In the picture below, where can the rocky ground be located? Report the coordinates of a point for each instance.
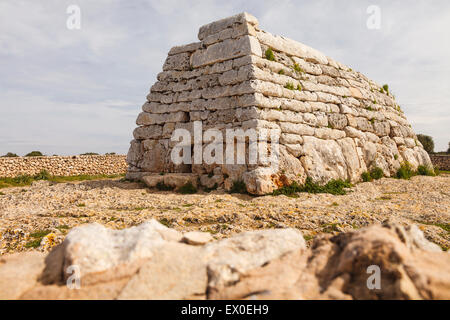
(39, 217)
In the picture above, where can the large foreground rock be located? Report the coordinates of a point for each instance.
(153, 262)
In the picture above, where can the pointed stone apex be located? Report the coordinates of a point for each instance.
(217, 26)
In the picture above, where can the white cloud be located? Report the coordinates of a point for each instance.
(73, 91)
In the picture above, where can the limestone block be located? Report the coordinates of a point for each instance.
(154, 157)
(308, 67)
(147, 119)
(295, 149)
(323, 160)
(354, 166)
(178, 180)
(222, 24)
(330, 71)
(382, 128)
(327, 133)
(291, 47)
(191, 47)
(148, 132)
(363, 124)
(295, 105)
(210, 182)
(226, 50)
(337, 121)
(152, 180)
(289, 138)
(297, 128)
(235, 31)
(179, 62)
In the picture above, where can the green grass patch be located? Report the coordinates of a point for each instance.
(63, 228)
(188, 188)
(425, 171)
(37, 238)
(269, 54)
(297, 68)
(165, 222)
(376, 173)
(281, 72)
(33, 244)
(405, 172)
(289, 86)
(26, 180)
(443, 226)
(308, 238)
(238, 187)
(335, 187)
(40, 233)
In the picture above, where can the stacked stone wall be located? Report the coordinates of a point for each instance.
(334, 123)
(64, 166)
(441, 161)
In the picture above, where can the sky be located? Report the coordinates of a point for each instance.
(68, 92)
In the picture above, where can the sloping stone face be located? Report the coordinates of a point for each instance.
(333, 122)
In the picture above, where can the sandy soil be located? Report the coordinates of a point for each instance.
(38, 217)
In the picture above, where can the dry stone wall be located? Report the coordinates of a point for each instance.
(64, 166)
(333, 122)
(441, 161)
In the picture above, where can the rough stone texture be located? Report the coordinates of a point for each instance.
(19, 273)
(119, 204)
(269, 264)
(441, 161)
(197, 238)
(64, 166)
(120, 251)
(334, 124)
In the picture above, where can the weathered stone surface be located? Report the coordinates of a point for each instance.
(99, 251)
(19, 273)
(226, 50)
(64, 165)
(267, 264)
(336, 268)
(178, 180)
(323, 160)
(226, 81)
(175, 272)
(197, 238)
(217, 26)
(292, 47)
(178, 62)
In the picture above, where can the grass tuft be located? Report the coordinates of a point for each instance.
(26, 180)
(297, 68)
(405, 171)
(188, 188)
(289, 86)
(335, 187)
(374, 174)
(269, 54)
(238, 187)
(425, 171)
